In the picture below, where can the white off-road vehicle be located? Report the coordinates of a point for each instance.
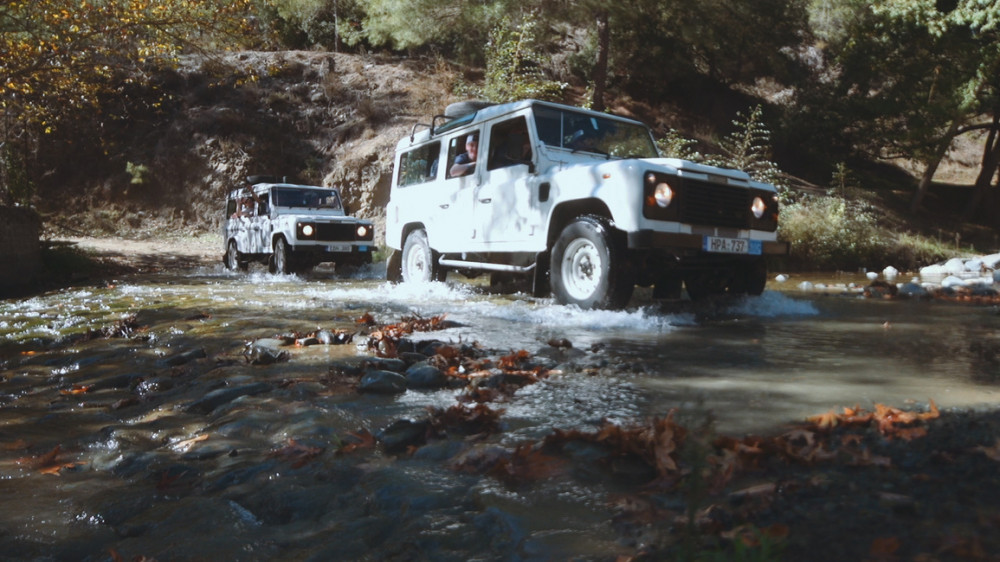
(292, 228)
(578, 203)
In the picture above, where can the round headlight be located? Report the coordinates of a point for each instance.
(663, 194)
(758, 207)
(362, 231)
(307, 230)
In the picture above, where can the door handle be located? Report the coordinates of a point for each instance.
(486, 200)
(444, 206)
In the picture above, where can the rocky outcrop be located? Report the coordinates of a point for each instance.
(20, 251)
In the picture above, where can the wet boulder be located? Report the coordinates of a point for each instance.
(382, 382)
(386, 364)
(426, 376)
(914, 291)
(401, 434)
(126, 380)
(412, 358)
(185, 357)
(154, 385)
(328, 337)
(880, 290)
(218, 397)
(264, 352)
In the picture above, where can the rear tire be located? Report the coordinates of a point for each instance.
(588, 266)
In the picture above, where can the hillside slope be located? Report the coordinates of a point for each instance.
(314, 117)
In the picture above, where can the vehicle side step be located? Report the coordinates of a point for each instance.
(461, 264)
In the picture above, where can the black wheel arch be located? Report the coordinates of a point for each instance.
(567, 212)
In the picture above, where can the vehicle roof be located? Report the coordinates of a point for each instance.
(265, 185)
(496, 111)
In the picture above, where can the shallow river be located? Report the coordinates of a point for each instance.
(141, 470)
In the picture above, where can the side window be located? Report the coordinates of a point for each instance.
(463, 151)
(419, 165)
(263, 204)
(241, 206)
(509, 144)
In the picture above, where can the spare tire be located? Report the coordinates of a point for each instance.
(461, 108)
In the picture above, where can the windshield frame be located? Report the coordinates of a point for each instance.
(581, 131)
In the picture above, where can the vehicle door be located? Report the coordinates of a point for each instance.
(238, 225)
(261, 225)
(418, 193)
(507, 204)
(454, 228)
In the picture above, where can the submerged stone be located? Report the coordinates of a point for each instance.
(383, 382)
(216, 398)
(423, 375)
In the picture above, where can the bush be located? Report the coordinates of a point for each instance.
(832, 233)
(514, 64)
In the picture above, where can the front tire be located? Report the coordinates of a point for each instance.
(750, 278)
(281, 259)
(588, 266)
(418, 263)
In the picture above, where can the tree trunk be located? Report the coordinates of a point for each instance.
(601, 67)
(990, 164)
(932, 166)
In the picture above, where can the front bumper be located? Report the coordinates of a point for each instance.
(690, 244)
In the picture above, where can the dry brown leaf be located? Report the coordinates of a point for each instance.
(884, 547)
(183, 446)
(993, 453)
(825, 421)
(76, 389)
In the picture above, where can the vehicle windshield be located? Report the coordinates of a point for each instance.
(582, 132)
(306, 198)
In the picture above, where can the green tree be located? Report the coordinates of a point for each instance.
(458, 27)
(60, 58)
(514, 64)
(911, 75)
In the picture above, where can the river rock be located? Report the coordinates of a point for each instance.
(382, 382)
(154, 385)
(185, 357)
(387, 364)
(264, 352)
(913, 290)
(424, 375)
(127, 380)
(216, 398)
(412, 357)
(402, 434)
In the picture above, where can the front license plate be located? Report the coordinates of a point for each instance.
(719, 245)
(338, 248)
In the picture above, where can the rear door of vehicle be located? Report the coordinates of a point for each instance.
(454, 228)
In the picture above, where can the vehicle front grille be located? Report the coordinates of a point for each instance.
(338, 232)
(711, 204)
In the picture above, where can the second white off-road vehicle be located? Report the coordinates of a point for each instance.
(577, 202)
(292, 227)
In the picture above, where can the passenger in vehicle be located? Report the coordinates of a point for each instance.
(465, 163)
(244, 208)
